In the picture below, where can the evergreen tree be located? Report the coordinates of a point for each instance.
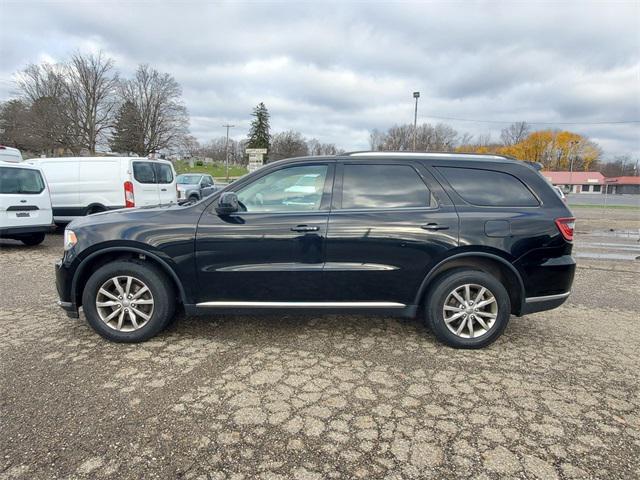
(259, 136)
(127, 131)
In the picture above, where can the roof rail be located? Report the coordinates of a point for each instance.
(424, 154)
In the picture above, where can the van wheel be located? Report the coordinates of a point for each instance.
(127, 301)
(97, 209)
(33, 239)
(468, 309)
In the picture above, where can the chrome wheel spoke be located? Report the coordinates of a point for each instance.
(144, 302)
(486, 314)
(484, 303)
(454, 317)
(133, 319)
(121, 320)
(457, 296)
(461, 326)
(470, 324)
(110, 303)
(140, 292)
(108, 294)
(118, 286)
(142, 314)
(480, 294)
(481, 322)
(449, 308)
(467, 293)
(127, 288)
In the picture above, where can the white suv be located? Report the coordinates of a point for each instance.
(25, 204)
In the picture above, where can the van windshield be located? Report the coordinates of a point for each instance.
(20, 180)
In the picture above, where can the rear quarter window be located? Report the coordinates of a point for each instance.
(489, 188)
(164, 174)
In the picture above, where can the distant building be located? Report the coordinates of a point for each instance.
(623, 185)
(577, 182)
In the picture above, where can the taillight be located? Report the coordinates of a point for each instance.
(566, 226)
(129, 199)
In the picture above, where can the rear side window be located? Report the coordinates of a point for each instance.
(20, 180)
(383, 186)
(489, 188)
(164, 174)
(143, 172)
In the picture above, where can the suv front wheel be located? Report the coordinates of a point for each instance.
(128, 301)
(468, 309)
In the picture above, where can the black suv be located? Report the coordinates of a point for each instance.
(463, 240)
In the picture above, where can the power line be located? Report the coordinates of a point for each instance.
(533, 123)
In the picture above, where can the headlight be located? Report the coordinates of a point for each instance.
(70, 239)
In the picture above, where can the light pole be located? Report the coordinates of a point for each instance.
(226, 150)
(573, 157)
(416, 95)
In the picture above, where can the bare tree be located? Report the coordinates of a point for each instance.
(316, 148)
(399, 138)
(288, 144)
(90, 90)
(157, 97)
(514, 133)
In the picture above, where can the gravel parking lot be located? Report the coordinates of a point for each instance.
(330, 396)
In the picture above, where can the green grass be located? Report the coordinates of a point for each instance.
(216, 170)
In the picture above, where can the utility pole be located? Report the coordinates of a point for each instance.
(416, 95)
(226, 150)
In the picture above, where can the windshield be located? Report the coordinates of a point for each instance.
(20, 180)
(188, 179)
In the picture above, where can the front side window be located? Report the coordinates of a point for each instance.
(143, 172)
(383, 186)
(164, 173)
(291, 189)
(21, 181)
(488, 188)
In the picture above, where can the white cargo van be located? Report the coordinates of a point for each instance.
(85, 185)
(25, 205)
(10, 154)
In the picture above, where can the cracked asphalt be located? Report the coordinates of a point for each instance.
(314, 397)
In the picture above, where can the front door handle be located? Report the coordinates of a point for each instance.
(305, 228)
(432, 227)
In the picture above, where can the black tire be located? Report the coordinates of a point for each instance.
(95, 209)
(447, 283)
(157, 282)
(194, 199)
(33, 239)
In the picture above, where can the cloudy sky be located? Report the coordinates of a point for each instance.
(335, 71)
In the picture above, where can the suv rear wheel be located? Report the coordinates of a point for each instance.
(128, 301)
(468, 309)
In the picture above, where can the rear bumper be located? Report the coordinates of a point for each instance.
(11, 232)
(547, 302)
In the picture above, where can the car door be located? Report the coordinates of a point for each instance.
(272, 250)
(206, 186)
(389, 224)
(145, 185)
(165, 178)
(24, 199)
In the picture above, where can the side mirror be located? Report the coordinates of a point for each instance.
(227, 203)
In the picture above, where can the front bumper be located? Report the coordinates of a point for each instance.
(63, 285)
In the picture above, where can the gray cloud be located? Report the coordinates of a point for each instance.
(336, 70)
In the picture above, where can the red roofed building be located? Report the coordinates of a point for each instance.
(577, 182)
(623, 184)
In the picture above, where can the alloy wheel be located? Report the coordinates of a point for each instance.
(124, 303)
(470, 311)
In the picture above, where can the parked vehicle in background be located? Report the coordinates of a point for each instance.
(193, 187)
(10, 154)
(560, 193)
(25, 204)
(467, 239)
(86, 185)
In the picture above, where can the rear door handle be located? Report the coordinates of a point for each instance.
(163, 189)
(305, 228)
(432, 227)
